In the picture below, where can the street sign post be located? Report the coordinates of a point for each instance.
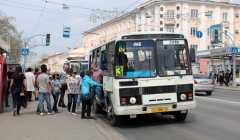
(199, 34)
(66, 32)
(25, 51)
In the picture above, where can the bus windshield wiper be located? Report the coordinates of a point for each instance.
(141, 74)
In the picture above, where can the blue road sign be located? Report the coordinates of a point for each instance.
(25, 51)
(199, 34)
(235, 50)
(198, 57)
(66, 32)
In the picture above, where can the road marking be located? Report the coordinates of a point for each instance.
(219, 100)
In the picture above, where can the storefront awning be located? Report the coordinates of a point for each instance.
(218, 52)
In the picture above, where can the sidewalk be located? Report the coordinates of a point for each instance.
(60, 126)
(227, 88)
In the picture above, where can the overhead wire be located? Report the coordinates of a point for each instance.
(39, 19)
(45, 7)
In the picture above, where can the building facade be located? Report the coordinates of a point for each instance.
(56, 61)
(182, 16)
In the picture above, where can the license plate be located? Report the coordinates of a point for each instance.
(155, 110)
(204, 83)
(133, 116)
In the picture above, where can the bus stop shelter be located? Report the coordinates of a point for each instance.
(226, 57)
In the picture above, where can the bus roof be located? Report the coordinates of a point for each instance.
(119, 37)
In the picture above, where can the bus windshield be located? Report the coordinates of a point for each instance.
(135, 59)
(173, 57)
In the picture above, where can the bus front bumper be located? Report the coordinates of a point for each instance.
(148, 109)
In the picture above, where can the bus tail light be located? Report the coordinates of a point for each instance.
(190, 96)
(123, 100)
(195, 81)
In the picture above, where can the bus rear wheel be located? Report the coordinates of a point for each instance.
(180, 116)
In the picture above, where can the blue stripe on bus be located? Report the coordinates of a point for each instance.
(140, 74)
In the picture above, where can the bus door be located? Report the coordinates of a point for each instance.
(107, 66)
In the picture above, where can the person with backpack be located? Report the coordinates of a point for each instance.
(79, 95)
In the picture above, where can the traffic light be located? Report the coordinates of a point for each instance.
(48, 40)
(216, 35)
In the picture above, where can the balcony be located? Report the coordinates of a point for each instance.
(169, 21)
(225, 24)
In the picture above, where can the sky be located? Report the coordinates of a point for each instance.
(28, 12)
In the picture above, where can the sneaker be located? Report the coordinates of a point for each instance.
(69, 112)
(42, 114)
(74, 113)
(83, 117)
(79, 107)
(51, 113)
(57, 111)
(14, 112)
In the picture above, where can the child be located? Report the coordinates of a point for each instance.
(56, 91)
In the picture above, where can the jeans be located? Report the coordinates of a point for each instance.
(63, 89)
(44, 96)
(55, 99)
(86, 104)
(72, 101)
(17, 99)
(98, 91)
(29, 94)
(78, 100)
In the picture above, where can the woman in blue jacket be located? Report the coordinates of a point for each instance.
(86, 85)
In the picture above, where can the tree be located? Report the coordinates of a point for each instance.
(9, 33)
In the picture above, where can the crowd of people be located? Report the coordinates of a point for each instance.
(80, 90)
(221, 77)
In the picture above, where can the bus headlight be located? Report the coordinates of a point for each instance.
(133, 100)
(183, 97)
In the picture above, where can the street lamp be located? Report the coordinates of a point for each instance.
(65, 7)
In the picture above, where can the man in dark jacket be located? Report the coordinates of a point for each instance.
(227, 77)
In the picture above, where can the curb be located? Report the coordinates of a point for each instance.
(228, 89)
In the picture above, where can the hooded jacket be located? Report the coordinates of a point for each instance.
(87, 82)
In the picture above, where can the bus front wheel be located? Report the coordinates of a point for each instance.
(115, 120)
(180, 116)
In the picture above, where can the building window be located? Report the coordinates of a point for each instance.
(170, 14)
(194, 47)
(153, 15)
(211, 15)
(208, 32)
(170, 29)
(129, 23)
(139, 20)
(225, 16)
(194, 13)
(124, 26)
(145, 20)
(119, 29)
(194, 31)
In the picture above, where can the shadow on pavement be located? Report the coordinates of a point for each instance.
(148, 120)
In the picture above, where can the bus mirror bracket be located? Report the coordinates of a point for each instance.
(192, 55)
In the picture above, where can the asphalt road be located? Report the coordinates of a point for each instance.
(216, 117)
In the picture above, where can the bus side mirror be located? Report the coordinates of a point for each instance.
(192, 55)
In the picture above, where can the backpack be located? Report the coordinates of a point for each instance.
(36, 78)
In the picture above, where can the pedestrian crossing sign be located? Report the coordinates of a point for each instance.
(25, 51)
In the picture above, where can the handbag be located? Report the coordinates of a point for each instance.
(85, 97)
(23, 93)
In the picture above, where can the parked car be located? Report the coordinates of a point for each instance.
(203, 84)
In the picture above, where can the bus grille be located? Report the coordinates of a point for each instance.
(129, 91)
(185, 88)
(128, 83)
(158, 89)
